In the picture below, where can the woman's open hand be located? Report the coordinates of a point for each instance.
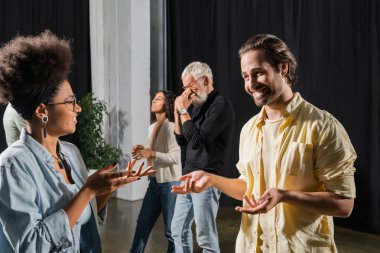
(140, 172)
(106, 180)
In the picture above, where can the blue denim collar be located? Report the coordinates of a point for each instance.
(38, 149)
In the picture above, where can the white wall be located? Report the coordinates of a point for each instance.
(157, 46)
(120, 61)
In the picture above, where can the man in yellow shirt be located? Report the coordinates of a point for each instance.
(295, 161)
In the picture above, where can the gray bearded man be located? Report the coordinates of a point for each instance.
(203, 135)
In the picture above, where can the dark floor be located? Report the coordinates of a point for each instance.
(118, 232)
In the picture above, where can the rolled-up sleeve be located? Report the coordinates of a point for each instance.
(242, 155)
(335, 157)
(181, 140)
(22, 222)
(241, 170)
(58, 227)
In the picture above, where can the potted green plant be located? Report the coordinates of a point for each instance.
(95, 151)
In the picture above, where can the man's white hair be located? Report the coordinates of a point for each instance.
(197, 70)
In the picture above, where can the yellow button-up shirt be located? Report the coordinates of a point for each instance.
(314, 154)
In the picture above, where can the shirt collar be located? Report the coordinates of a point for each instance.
(289, 113)
(292, 108)
(37, 148)
(211, 96)
(210, 99)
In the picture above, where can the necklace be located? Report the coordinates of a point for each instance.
(60, 162)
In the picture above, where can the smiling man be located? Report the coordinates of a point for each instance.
(295, 161)
(203, 136)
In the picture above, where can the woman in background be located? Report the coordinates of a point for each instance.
(164, 155)
(47, 201)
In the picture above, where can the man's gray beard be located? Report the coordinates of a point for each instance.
(200, 100)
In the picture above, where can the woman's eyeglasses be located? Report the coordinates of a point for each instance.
(70, 103)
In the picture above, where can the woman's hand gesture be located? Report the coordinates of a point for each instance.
(106, 180)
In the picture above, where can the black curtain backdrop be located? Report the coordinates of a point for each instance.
(337, 47)
(65, 18)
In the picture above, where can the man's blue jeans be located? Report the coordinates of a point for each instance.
(203, 208)
(158, 197)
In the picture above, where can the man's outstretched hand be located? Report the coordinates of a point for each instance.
(196, 181)
(266, 202)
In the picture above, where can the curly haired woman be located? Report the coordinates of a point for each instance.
(47, 201)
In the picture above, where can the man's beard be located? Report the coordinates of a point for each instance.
(271, 94)
(200, 99)
(261, 102)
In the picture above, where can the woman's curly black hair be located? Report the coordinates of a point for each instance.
(169, 105)
(32, 69)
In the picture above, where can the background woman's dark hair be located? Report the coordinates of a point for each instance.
(276, 52)
(169, 105)
(31, 70)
